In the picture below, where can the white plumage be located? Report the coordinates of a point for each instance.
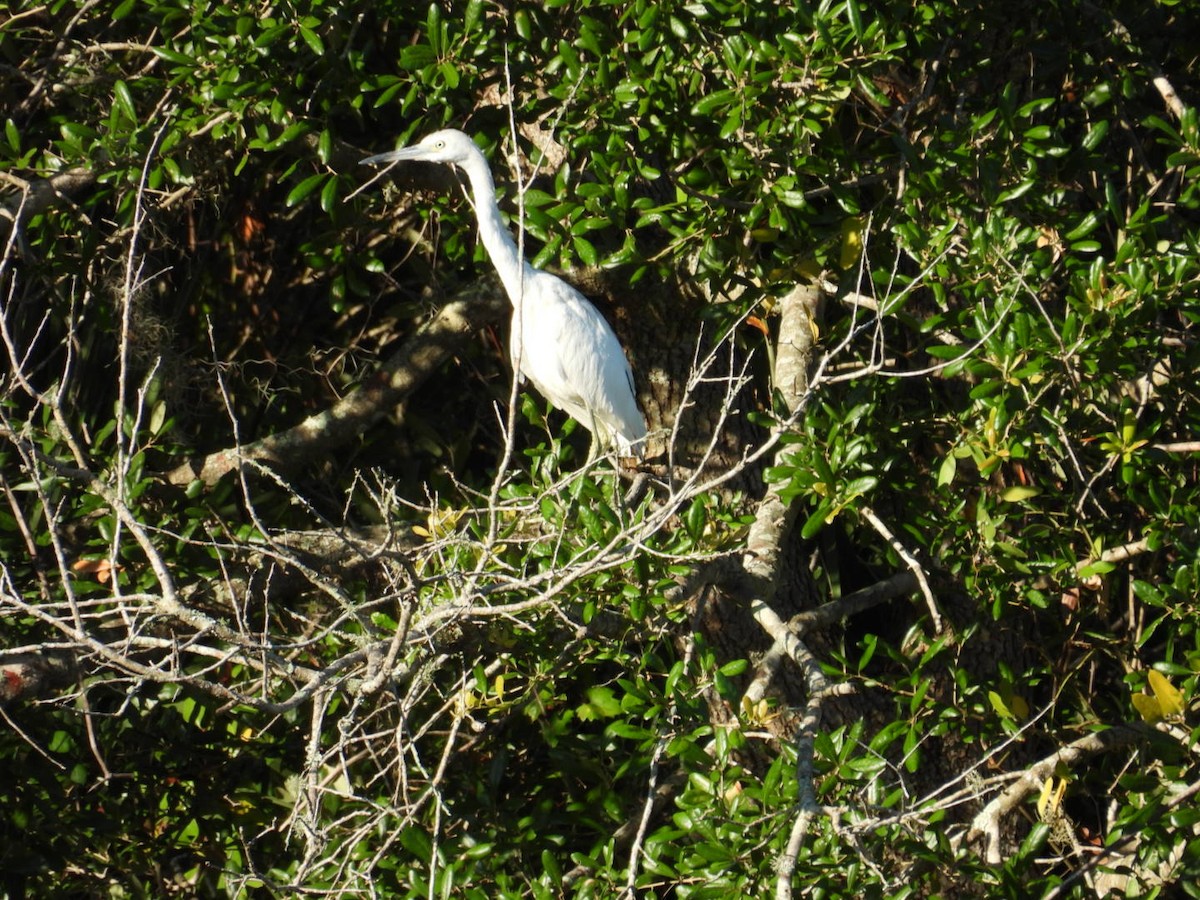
(559, 340)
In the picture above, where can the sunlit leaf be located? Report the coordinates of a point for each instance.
(1169, 697)
(1050, 799)
(1147, 707)
(1017, 493)
(852, 243)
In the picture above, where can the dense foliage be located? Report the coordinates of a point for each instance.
(420, 660)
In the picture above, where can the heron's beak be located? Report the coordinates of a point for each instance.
(392, 156)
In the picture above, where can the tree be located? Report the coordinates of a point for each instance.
(298, 595)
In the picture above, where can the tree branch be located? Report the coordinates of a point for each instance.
(402, 374)
(37, 196)
(772, 524)
(987, 823)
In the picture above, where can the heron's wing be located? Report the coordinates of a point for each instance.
(574, 359)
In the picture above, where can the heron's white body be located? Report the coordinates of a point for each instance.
(559, 340)
(562, 344)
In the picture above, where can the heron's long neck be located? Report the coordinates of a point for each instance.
(513, 270)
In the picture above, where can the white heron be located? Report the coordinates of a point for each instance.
(559, 340)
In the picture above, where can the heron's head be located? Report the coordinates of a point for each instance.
(448, 146)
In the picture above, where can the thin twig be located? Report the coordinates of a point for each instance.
(909, 560)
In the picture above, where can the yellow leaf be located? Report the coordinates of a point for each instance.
(1147, 708)
(441, 522)
(851, 243)
(1019, 707)
(1169, 697)
(756, 713)
(1044, 798)
(1058, 795)
(466, 701)
(1050, 799)
(1128, 427)
(809, 269)
(1019, 492)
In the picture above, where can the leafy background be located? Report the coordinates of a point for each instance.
(1001, 205)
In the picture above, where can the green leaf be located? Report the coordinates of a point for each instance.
(1099, 567)
(416, 841)
(315, 44)
(946, 470)
(734, 668)
(628, 731)
(158, 416)
(304, 188)
(696, 519)
(329, 195)
(1095, 135)
(124, 100)
(594, 525)
(1017, 192)
(816, 520)
(1086, 226)
(854, 13)
(449, 73)
(602, 703)
(714, 101)
(523, 24)
(585, 250)
(417, 57)
(999, 705)
(472, 15)
(552, 869)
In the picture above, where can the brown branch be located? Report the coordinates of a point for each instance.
(254, 651)
(987, 823)
(31, 675)
(824, 616)
(1121, 850)
(1179, 447)
(1117, 554)
(834, 611)
(772, 525)
(774, 518)
(909, 560)
(40, 195)
(402, 374)
(1157, 77)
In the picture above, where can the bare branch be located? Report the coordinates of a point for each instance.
(909, 560)
(432, 344)
(1170, 99)
(38, 196)
(987, 823)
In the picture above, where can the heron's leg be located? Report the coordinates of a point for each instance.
(597, 445)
